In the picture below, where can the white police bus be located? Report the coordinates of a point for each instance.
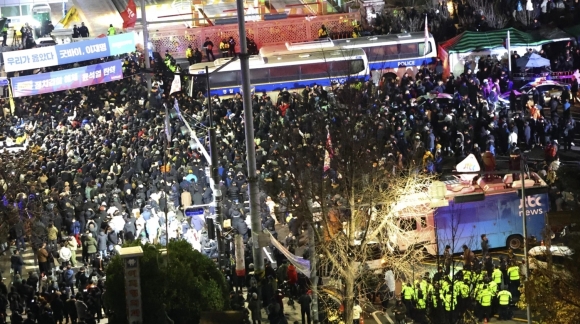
(276, 68)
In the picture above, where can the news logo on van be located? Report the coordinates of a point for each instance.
(535, 205)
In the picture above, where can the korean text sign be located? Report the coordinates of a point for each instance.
(69, 53)
(67, 79)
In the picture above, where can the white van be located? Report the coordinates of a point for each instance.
(538, 257)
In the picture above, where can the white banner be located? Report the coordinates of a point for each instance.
(301, 264)
(34, 58)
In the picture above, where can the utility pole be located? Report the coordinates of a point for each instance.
(146, 43)
(525, 224)
(215, 176)
(250, 146)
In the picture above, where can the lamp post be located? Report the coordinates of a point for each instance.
(250, 146)
(146, 42)
(525, 232)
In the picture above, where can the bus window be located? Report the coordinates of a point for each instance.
(384, 52)
(224, 79)
(315, 70)
(282, 73)
(408, 224)
(357, 66)
(10, 11)
(409, 50)
(260, 75)
(25, 10)
(422, 47)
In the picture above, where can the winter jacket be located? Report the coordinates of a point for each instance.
(91, 245)
(102, 242)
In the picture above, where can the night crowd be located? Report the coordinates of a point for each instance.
(99, 170)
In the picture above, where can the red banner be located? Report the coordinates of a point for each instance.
(129, 15)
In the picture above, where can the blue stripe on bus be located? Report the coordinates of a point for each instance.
(268, 87)
(401, 63)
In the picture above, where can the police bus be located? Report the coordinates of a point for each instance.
(275, 69)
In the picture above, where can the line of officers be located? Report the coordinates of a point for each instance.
(472, 293)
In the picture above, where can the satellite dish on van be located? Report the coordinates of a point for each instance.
(469, 164)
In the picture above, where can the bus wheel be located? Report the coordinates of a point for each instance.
(515, 242)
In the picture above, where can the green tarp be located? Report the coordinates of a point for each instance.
(469, 41)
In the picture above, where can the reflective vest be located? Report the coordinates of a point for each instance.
(224, 46)
(322, 33)
(408, 292)
(467, 275)
(497, 276)
(189, 53)
(493, 287)
(421, 303)
(514, 273)
(111, 31)
(449, 302)
(485, 297)
(464, 289)
(504, 297)
(434, 299)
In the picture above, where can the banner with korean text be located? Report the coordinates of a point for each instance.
(85, 76)
(91, 49)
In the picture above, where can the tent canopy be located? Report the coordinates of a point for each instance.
(477, 41)
(532, 61)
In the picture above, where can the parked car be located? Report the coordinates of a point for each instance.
(538, 257)
(547, 88)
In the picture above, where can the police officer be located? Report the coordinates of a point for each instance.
(513, 273)
(189, 55)
(4, 33)
(497, 276)
(504, 298)
(408, 294)
(420, 304)
(449, 302)
(485, 299)
(111, 31)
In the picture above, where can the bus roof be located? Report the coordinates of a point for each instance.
(493, 185)
(371, 41)
(281, 58)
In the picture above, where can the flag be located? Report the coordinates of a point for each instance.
(176, 107)
(167, 125)
(129, 15)
(509, 54)
(328, 153)
(175, 85)
(11, 99)
(426, 47)
(71, 16)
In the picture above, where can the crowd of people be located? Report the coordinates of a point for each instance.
(99, 169)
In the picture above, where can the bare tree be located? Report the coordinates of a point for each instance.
(365, 199)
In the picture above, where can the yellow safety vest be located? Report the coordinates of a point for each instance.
(497, 276)
(408, 293)
(322, 33)
(421, 303)
(514, 273)
(504, 297)
(493, 287)
(449, 302)
(111, 31)
(224, 46)
(485, 297)
(189, 53)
